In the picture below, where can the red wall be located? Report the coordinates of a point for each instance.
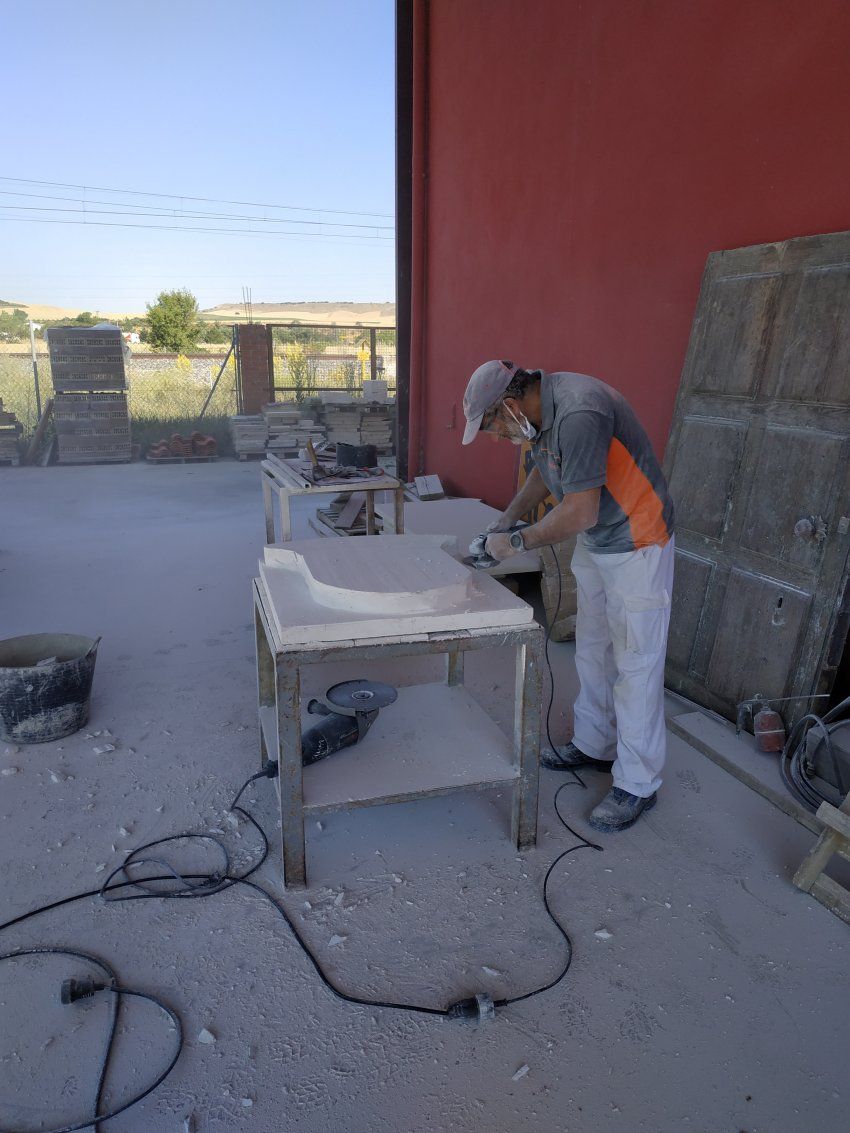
(580, 160)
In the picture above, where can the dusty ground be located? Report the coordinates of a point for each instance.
(715, 1001)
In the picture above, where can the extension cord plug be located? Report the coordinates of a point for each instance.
(479, 1007)
(72, 990)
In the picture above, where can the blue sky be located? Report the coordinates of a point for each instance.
(275, 102)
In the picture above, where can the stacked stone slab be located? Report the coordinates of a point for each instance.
(343, 423)
(90, 403)
(250, 433)
(10, 430)
(289, 430)
(376, 427)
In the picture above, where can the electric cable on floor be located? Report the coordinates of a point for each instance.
(72, 990)
(182, 886)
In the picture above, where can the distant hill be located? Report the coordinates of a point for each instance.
(43, 311)
(369, 314)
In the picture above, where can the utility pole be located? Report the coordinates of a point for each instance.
(35, 372)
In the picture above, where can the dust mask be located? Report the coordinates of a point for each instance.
(525, 426)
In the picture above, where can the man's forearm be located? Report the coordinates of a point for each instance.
(575, 513)
(532, 493)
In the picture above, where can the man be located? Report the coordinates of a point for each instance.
(591, 453)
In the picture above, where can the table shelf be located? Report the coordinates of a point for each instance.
(433, 741)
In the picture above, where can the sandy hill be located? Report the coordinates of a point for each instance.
(43, 311)
(370, 314)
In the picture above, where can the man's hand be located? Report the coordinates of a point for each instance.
(498, 546)
(500, 524)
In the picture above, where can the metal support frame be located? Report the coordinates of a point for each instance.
(217, 379)
(278, 683)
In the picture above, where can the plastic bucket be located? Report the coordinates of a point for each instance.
(42, 702)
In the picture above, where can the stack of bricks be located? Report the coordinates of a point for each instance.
(198, 446)
(10, 430)
(90, 405)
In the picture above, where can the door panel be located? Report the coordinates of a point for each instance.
(817, 359)
(806, 482)
(758, 637)
(739, 313)
(693, 577)
(703, 479)
(759, 469)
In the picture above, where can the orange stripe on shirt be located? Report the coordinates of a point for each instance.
(636, 497)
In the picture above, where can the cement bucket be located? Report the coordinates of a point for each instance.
(45, 685)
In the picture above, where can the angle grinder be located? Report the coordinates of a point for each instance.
(478, 558)
(348, 711)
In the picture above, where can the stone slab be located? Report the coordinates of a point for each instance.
(463, 518)
(379, 586)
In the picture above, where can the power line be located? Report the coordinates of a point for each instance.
(162, 209)
(184, 197)
(182, 228)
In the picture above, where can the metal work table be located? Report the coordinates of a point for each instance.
(283, 478)
(450, 743)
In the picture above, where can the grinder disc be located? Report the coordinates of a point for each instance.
(361, 696)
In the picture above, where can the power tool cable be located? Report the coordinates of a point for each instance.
(73, 990)
(122, 884)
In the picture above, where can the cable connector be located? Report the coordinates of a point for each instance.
(72, 990)
(270, 768)
(480, 1007)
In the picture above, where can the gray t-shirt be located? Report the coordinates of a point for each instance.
(591, 438)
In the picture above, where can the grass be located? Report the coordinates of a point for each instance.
(161, 403)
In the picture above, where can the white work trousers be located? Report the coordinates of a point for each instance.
(621, 641)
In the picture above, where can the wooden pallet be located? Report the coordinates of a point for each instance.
(835, 839)
(253, 455)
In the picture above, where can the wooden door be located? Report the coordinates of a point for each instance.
(759, 468)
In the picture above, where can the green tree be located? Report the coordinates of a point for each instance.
(14, 325)
(173, 322)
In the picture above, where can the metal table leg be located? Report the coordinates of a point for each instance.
(288, 703)
(265, 679)
(527, 742)
(454, 667)
(267, 507)
(285, 514)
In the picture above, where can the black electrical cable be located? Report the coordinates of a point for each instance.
(791, 763)
(194, 885)
(116, 990)
(557, 570)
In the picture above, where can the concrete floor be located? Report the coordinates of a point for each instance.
(714, 1000)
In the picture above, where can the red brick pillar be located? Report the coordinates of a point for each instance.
(252, 343)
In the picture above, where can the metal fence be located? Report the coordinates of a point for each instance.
(309, 358)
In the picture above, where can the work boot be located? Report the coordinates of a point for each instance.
(619, 810)
(566, 758)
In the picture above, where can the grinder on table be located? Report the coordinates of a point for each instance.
(478, 558)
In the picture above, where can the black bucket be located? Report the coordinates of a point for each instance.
(45, 685)
(356, 456)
